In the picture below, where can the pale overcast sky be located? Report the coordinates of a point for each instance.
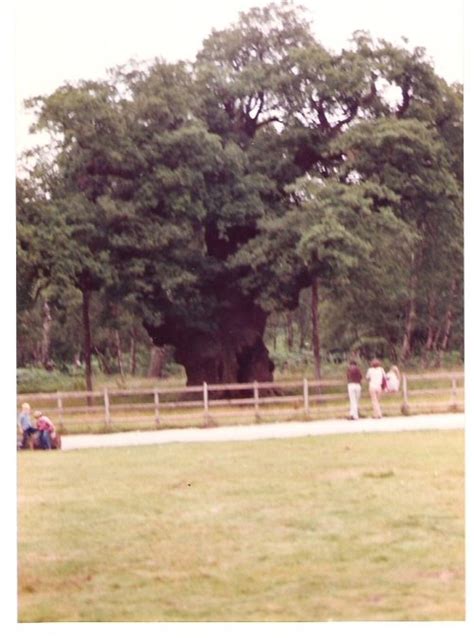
(60, 40)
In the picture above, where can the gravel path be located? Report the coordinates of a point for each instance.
(270, 431)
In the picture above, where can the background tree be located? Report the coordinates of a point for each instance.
(70, 181)
(409, 158)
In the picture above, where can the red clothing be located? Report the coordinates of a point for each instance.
(44, 424)
(354, 375)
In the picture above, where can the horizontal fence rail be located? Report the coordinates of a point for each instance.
(211, 404)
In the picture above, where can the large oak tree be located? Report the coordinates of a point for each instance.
(202, 196)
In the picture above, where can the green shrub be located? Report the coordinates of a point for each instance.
(40, 380)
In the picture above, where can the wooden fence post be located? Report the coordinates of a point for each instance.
(107, 407)
(60, 410)
(60, 400)
(454, 394)
(157, 406)
(206, 403)
(306, 396)
(255, 401)
(405, 408)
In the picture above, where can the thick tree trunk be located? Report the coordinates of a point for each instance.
(233, 353)
(46, 336)
(315, 328)
(410, 322)
(87, 341)
(158, 356)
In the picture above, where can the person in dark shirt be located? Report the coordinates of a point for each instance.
(354, 377)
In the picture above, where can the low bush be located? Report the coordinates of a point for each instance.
(40, 380)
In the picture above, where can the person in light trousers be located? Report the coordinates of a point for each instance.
(376, 378)
(354, 377)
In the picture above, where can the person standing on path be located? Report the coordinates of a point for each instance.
(354, 377)
(376, 378)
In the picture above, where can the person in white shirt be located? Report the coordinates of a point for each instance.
(376, 378)
(393, 379)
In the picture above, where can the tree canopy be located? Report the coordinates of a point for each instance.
(200, 197)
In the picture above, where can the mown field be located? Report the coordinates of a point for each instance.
(348, 527)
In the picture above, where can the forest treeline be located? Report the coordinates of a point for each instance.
(192, 209)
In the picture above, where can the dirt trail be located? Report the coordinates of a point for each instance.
(267, 431)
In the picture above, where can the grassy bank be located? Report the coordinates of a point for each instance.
(359, 527)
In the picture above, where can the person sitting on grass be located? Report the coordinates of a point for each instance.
(26, 424)
(46, 429)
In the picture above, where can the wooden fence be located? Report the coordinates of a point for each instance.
(208, 405)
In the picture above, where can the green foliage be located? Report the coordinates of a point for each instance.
(180, 194)
(40, 380)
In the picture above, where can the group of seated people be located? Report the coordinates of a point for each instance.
(44, 427)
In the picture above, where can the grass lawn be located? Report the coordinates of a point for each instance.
(347, 527)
